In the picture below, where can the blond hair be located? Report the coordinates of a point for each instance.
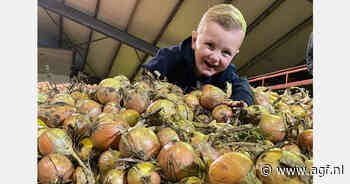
(226, 15)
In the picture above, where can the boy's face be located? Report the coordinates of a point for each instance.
(214, 48)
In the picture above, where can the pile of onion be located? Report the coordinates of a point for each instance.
(139, 142)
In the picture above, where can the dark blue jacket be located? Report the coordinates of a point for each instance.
(177, 64)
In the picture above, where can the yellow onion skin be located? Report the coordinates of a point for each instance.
(78, 124)
(305, 139)
(106, 134)
(230, 168)
(55, 114)
(77, 95)
(85, 148)
(166, 135)
(274, 159)
(273, 126)
(292, 148)
(179, 160)
(111, 107)
(114, 176)
(108, 94)
(137, 100)
(222, 113)
(79, 176)
(108, 160)
(139, 142)
(62, 97)
(191, 101)
(130, 116)
(167, 111)
(89, 107)
(191, 180)
(54, 168)
(143, 173)
(211, 96)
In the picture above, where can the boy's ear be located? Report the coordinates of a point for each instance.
(194, 39)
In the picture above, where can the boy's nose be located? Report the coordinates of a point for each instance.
(214, 58)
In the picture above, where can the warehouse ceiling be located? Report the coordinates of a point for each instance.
(113, 37)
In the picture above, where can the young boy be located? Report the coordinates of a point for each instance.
(205, 58)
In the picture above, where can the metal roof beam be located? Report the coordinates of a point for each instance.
(110, 65)
(160, 34)
(97, 9)
(98, 25)
(275, 45)
(264, 14)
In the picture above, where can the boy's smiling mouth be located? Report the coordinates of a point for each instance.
(208, 64)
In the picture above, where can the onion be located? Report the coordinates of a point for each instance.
(108, 94)
(166, 135)
(77, 95)
(196, 93)
(54, 115)
(89, 107)
(198, 138)
(143, 173)
(252, 114)
(208, 153)
(112, 107)
(178, 160)
(211, 96)
(292, 148)
(106, 134)
(297, 111)
(183, 112)
(77, 124)
(63, 98)
(104, 116)
(54, 168)
(114, 176)
(232, 167)
(130, 116)
(139, 142)
(79, 176)
(277, 158)
(222, 113)
(273, 126)
(305, 139)
(137, 100)
(108, 160)
(166, 108)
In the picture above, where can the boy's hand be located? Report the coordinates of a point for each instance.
(232, 103)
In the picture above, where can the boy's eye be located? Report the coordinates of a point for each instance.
(227, 53)
(210, 45)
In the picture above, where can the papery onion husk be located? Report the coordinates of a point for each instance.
(191, 180)
(139, 142)
(54, 115)
(85, 149)
(63, 98)
(252, 114)
(192, 101)
(179, 160)
(232, 167)
(291, 148)
(77, 95)
(208, 153)
(143, 173)
(211, 96)
(77, 124)
(305, 139)
(89, 107)
(130, 116)
(166, 108)
(106, 134)
(277, 158)
(222, 113)
(79, 176)
(273, 126)
(108, 160)
(111, 107)
(196, 93)
(54, 140)
(297, 111)
(104, 116)
(114, 176)
(166, 135)
(54, 168)
(183, 112)
(137, 100)
(108, 94)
